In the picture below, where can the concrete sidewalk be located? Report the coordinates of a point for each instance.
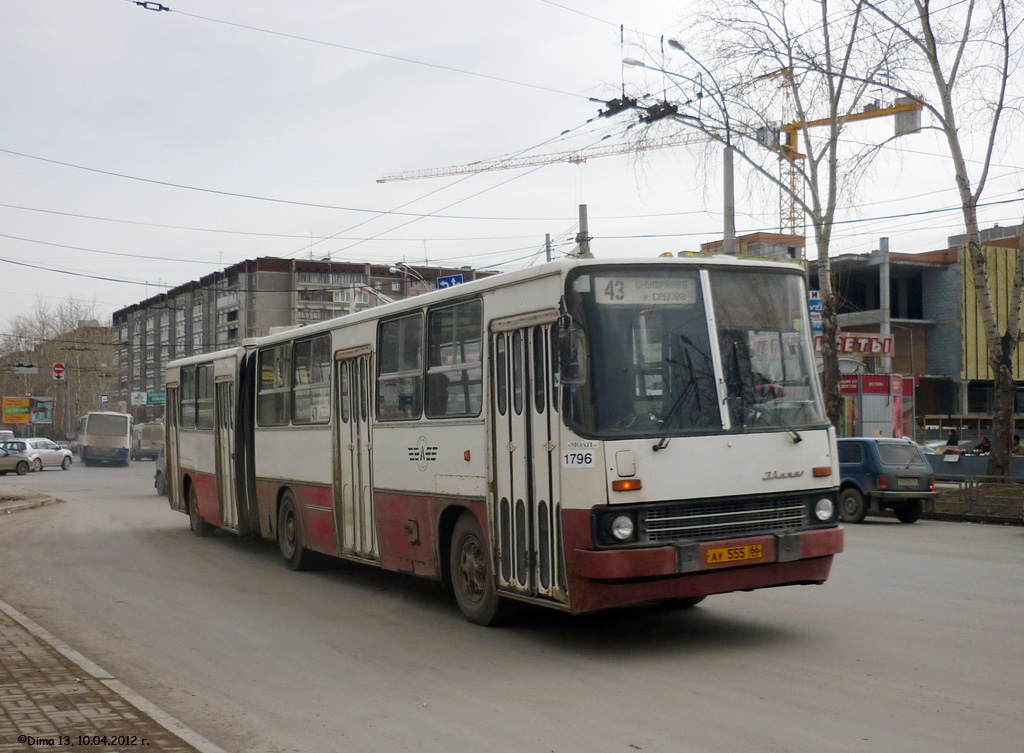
(53, 698)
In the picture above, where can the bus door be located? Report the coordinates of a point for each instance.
(173, 419)
(225, 449)
(353, 496)
(527, 522)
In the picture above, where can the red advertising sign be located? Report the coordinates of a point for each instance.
(864, 344)
(874, 384)
(849, 384)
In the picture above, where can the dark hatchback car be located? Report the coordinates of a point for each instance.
(877, 474)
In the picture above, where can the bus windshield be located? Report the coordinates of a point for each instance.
(662, 361)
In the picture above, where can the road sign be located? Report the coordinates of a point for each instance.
(58, 372)
(816, 310)
(448, 281)
(104, 400)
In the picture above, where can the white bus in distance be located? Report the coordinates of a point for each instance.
(581, 435)
(105, 437)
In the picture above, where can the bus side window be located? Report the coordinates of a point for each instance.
(400, 386)
(188, 399)
(204, 396)
(311, 383)
(273, 401)
(455, 360)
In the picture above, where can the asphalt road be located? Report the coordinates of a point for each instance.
(915, 644)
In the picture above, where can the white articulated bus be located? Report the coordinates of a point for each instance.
(581, 435)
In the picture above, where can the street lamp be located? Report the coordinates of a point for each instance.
(406, 271)
(728, 190)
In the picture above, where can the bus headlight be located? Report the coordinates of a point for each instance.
(824, 509)
(622, 528)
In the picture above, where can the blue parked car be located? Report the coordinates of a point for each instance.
(877, 474)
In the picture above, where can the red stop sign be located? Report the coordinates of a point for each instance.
(58, 369)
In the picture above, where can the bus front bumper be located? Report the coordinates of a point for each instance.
(617, 577)
(692, 557)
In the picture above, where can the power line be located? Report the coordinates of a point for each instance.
(289, 202)
(360, 50)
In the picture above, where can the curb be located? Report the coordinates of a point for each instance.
(165, 720)
(16, 505)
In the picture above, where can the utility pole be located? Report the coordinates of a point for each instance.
(883, 298)
(729, 241)
(547, 246)
(583, 237)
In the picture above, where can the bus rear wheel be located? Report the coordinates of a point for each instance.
(199, 526)
(472, 577)
(289, 534)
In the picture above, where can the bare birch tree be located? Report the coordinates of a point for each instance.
(959, 61)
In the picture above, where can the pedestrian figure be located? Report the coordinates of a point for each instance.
(982, 448)
(1018, 448)
(953, 440)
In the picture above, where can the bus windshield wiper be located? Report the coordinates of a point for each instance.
(677, 404)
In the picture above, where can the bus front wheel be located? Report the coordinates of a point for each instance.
(472, 577)
(289, 534)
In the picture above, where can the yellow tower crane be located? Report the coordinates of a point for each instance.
(790, 183)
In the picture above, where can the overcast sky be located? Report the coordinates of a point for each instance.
(152, 147)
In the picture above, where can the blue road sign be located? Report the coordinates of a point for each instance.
(448, 281)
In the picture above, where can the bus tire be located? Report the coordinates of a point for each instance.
(908, 512)
(852, 506)
(472, 576)
(289, 534)
(687, 602)
(199, 526)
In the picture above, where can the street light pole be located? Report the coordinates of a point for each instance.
(728, 189)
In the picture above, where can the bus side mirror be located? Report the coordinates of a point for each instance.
(572, 357)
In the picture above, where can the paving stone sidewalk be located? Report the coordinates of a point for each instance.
(54, 699)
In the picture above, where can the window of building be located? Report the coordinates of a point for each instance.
(400, 387)
(455, 366)
(273, 406)
(979, 397)
(312, 381)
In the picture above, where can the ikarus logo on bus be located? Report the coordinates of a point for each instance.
(581, 453)
(422, 454)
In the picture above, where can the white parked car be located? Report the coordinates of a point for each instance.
(41, 452)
